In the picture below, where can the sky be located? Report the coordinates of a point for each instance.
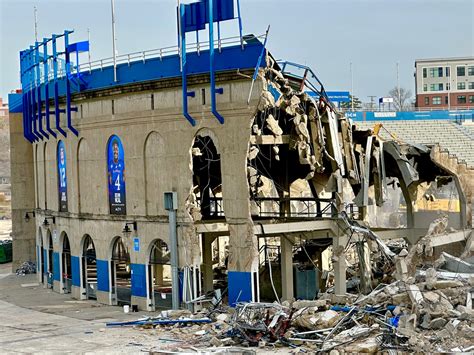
(326, 35)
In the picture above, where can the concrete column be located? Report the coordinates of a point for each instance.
(23, 193)
(208, 277)
(339, 264)
(286, 269)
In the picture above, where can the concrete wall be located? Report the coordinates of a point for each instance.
(23, 193)
(157, 140)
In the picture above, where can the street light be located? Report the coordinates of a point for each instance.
(46, 223)
(27, 215)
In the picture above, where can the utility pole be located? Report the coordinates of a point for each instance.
(398, 88)
(352, 88)
(112, 3)
(36, 23)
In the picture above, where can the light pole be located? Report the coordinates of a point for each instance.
(112, 4)
(352, 88)
(398, 89)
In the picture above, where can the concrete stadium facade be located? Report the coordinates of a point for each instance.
(157, 143)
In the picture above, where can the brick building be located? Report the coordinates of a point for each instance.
(445, 83)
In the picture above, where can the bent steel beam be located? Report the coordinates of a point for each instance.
(214, 91)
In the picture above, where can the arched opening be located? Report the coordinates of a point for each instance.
(89, 269)
(159, 276)
(66, 274)
(50, 260)
(121, 275)
(41, 254)
(207, 179)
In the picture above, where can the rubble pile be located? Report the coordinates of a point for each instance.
(423, 314)
(28, 267)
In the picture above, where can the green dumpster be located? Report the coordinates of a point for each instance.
(5, 251)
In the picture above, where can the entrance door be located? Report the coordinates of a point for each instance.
(120, 274)
(50, 260)
(159, 276)
(89, 269)
(66, 277)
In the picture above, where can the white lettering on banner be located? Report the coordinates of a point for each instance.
(385, 114)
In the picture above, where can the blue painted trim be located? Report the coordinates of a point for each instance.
(211, 63)
(240, 287)
(184, 69)
(76, 270)
(46, 88)
(45, 261)
(38, 258)
(57, 111)
(412, 115)
(229, 59)
(56, 267)
(139, 287)
(103, 275)
(69, 109)
(260, 57)
(38, 88)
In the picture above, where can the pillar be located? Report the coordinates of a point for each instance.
(23, 193)
(339, 264)
(286, 269)
(208, 277)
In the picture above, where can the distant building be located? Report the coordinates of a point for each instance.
(445, 83)
(3, 109)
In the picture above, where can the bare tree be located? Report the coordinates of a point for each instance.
(402, 100)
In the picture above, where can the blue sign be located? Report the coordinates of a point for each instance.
(136, 244)
(196, 14)
(334, 96)
(116, 176)
(62, 177)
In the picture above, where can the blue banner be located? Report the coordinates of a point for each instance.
(62, 177)
(116, 176)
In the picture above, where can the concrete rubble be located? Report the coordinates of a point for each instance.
(401, 297)
(418, 314)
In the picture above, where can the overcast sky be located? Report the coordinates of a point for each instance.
(326, 35)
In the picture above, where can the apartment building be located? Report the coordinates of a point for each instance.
(444, 83)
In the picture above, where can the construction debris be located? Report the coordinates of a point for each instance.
(28, 267)
(421, 314)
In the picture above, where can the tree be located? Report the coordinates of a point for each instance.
(402, 101)
(348, 105)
